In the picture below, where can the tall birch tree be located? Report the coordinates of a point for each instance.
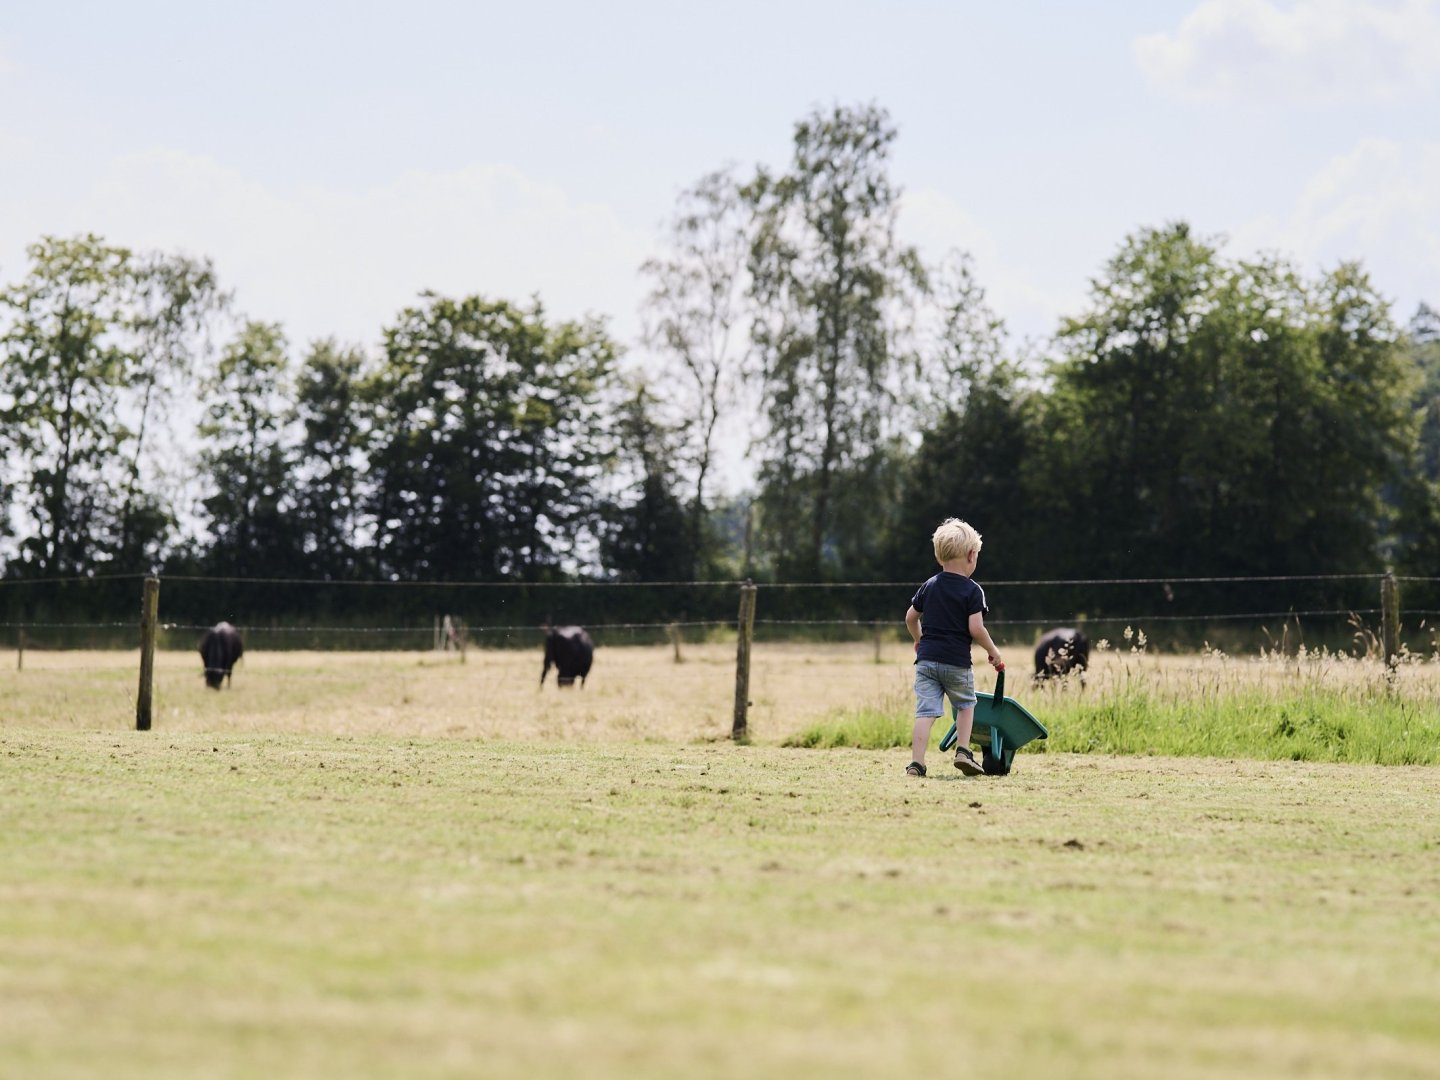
(829, 280)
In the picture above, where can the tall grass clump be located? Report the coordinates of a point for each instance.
(1289, 703)
(1302, 705)
(879, 726)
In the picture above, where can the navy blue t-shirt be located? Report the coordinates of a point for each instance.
(945, 603)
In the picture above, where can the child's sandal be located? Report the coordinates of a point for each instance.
(914, 769)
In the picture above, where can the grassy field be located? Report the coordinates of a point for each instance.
(301, 905)
(399, 866)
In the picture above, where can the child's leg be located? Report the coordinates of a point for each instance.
(964, 756)
(920, 740)
(960, 689)
(929, 705)
(964, 724)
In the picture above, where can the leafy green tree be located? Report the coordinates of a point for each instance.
(1123, 403)
(649, 534)
(175, 301)
(1423, 343)
(1418, 495)
(488, 440)
(973, 427)
(1365, 400)
(695, 302)
(327, 484)
(93, 344)
(1210, 416)
(62, 383)
(827, 277)
(967, 340)
(869, 517)
(245, 460)
(971, 464)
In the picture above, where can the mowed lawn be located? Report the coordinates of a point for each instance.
(278, 903)
(396, 864)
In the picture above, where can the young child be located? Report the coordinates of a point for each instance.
(952, 610)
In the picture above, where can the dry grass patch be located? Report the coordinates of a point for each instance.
(635, 692)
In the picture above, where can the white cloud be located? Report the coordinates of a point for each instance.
(1379, 203)
(1314, 50)
(326, 261)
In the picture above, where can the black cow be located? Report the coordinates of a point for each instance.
(220, 647)
(570, 649)
(1060, 652)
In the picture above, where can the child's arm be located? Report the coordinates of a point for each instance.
(981, 635)
(912, 623)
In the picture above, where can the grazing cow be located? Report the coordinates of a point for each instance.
(570, 649)
(1061, 652)
(220, 647)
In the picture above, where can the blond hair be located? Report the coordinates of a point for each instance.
(955, 539)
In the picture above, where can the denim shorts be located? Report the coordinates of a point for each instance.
(934, 681)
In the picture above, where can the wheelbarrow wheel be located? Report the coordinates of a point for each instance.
(994, 766)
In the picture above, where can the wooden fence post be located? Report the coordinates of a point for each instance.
(20, 653)
(149, 610)
(740, 731)
(1390, 618)
(674, 629)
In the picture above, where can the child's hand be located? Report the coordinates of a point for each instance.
(997, 663)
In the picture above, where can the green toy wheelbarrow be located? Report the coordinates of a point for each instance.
(1002, 726)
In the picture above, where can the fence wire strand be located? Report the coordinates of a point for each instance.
(220, 579)
(1089, 581)
(703, 624)
(430, 629)
(71, 580)
(432, 584)
(1136, 620)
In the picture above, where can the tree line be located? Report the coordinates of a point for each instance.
(1200, 414)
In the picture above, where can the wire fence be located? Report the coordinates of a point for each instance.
(51, 613)
(272, 614)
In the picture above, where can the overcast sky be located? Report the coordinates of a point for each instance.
(335, 159)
